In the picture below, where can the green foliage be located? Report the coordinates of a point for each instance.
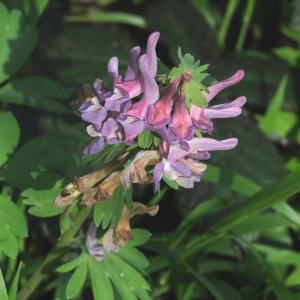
(37, 92)
(41, 201)
(109, 17)
(13, 224)
(15, 282)
(10, 135)
(195, 79)
(76, 281)
(235, 236)
(147, 139)
(275, 122)
(171, 183)
(17, 41)
(117, 272)
(3, 291)
(51, 151)
(108, 213)
(36, 9)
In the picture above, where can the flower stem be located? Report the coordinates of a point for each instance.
(230, 10)
(39, 275)
(245, 25)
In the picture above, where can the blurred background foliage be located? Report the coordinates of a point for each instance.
(235, 236)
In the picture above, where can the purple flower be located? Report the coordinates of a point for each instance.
(108, 111)
(92, 245)
(183, 166)
(202, 116)
(136, 103)
(181, 124)
(148, 67)
(125, 88)
(159, 113)
(216, 88)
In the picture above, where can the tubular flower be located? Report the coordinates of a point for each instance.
(175, 111)
(183, 166)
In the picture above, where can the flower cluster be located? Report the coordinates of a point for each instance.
(136, 103)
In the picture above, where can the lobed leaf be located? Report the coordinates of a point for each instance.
(101, 285)
(127, 280)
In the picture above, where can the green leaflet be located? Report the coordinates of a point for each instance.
(134, 257)
(171, 183)
(41, 201)
(101, 284)
(76, 281)
(13, 217)
(14, 286)
(277, 123)
(10, 135)
(3, 291)
(139, 237)
(71, 265)
(12, 226)
(108, 212)
(146, 139)
(17, 41)
(129, 283)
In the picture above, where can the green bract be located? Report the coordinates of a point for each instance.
(195, 78)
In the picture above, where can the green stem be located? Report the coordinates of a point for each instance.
(245, 25)
(39, 275)
(230, 10)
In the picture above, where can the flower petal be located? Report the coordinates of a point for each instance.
(181, 124)
(200, 120)
(159, 114)
(132, 69)
(113, 68)
(151, 52)
(95, 147)
(151, 91)
(130, 89)
(227, 110)
(157, 174)
(132, 128)
(216, 88)
(208, 144)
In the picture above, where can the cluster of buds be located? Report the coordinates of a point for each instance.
(176, 111)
